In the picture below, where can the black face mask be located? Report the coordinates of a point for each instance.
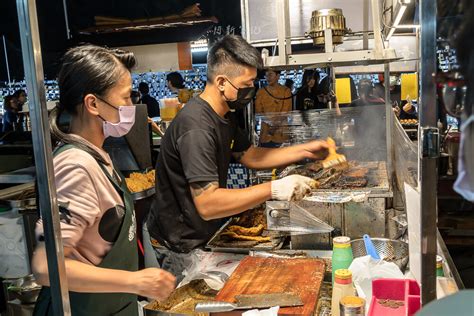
(244, 96)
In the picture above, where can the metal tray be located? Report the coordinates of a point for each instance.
(276, 242)
(142, 194)
(19, 197)
(22, 204)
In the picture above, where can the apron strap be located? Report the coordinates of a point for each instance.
(117, 179)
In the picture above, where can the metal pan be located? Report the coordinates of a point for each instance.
(143, 194)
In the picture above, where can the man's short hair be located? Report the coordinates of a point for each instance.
(229, 54)
(175, 79)
(143, 88)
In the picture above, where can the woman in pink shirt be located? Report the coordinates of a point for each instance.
(96, 210)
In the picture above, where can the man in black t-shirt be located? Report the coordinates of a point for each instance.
(191, 197)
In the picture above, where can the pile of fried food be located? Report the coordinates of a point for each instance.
(344, 176)
(409, 122)
(249, 226)
(138, 182)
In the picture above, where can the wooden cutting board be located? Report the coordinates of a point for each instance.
(271, 275)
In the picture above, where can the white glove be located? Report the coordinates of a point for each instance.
(293, 187)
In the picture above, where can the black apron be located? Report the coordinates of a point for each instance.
(122, 256)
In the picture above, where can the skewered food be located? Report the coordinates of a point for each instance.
(345, 182)
(357, 172)
(343, 176)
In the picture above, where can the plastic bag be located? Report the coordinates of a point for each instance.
(273, 311)
(365, 269)
(212, 267)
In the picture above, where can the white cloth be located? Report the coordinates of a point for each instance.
(464, 184)
(293, 187)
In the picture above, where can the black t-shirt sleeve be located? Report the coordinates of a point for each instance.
(241, 141)
(197, 151)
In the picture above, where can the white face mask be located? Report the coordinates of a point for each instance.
(125, 123)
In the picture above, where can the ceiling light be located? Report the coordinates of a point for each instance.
(402, 7)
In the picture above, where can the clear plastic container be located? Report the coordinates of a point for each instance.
(342, 288)
(169, 107)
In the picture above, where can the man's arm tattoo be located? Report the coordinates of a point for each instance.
(198, 188)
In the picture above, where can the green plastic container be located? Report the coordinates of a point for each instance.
(341, 254)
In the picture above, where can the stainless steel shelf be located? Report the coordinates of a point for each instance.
(335, 59)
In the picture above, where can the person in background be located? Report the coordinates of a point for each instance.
(379, 87)
(10, 113)
(97, 219)
(407, 112)
(135, 96)
(395, 90)
(274, 97)
(309, 95)
(192, 201)
(175, 83)
(152, 105)
(366, 94)
(21, 96)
